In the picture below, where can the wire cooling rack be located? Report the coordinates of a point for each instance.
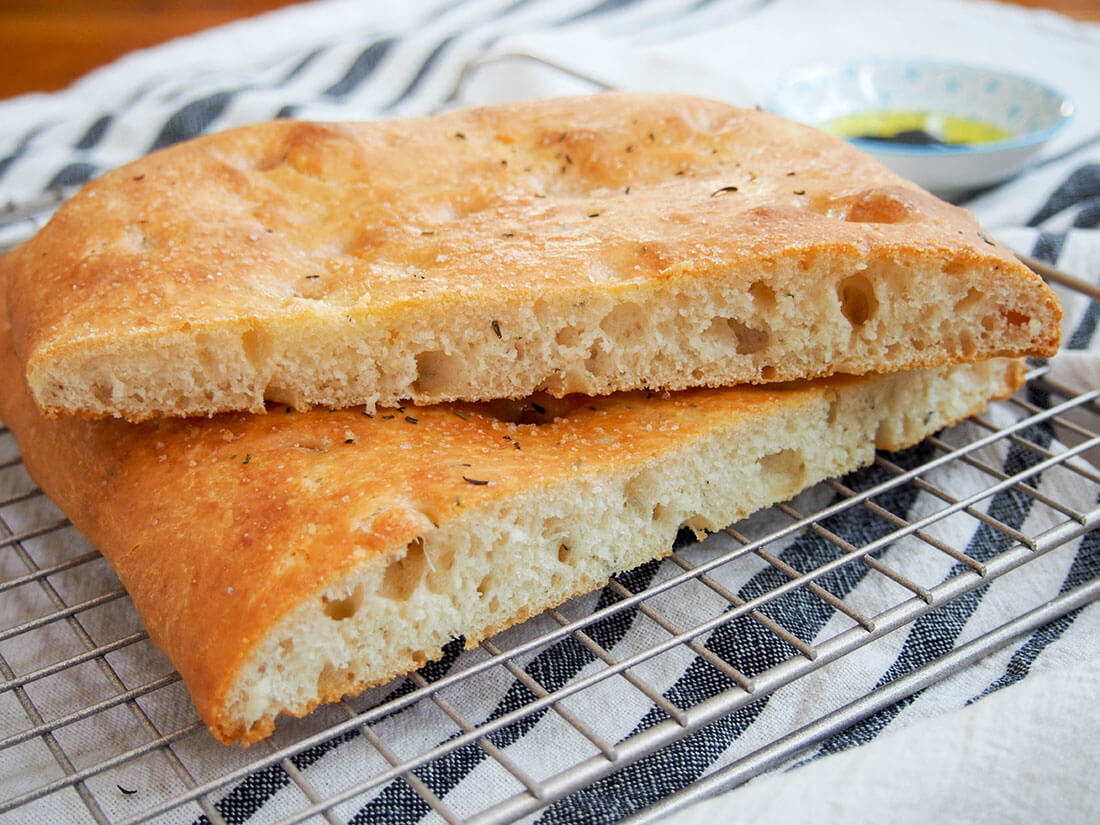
(65, 620)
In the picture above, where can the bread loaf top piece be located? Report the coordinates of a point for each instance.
(587, 244)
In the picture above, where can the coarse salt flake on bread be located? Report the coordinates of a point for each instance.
(578, 245)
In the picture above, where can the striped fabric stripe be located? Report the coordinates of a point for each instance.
(1086, 566)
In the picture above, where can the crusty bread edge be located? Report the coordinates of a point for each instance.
(689, 329)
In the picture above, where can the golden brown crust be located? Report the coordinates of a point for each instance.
(290, 232)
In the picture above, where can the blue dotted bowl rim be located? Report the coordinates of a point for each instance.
(1028, 139)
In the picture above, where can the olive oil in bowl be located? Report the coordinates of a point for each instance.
(915, 128)
(951, 128)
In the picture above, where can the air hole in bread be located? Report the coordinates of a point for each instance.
(659, 511)
(252, 345)
(784, 472)
(831, 415)
(957, 267)
(967, 344)
(568, 336)
(332, 681)
(749, 339)
(746, 340)
(436, 372)
(440, 567)
(340, 609)
(989, 323)
(598, 361)
(209, 354)
(625, 322)
(767, 373)
(963, 305)
(857, 300)
(564, 554)
(1015, 318)
(489, 589)
(102, 392)
(486, 585)
(763, 295)
(640, 490)
(404, 575)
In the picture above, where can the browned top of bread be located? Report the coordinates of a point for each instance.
(484, 253)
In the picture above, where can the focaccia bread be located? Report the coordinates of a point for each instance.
(282, 561)
(581, 245)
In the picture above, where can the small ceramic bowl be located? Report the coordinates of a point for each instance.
(977, 126)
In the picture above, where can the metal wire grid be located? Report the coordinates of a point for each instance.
(56, 591)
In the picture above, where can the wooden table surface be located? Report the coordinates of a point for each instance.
(46, 44)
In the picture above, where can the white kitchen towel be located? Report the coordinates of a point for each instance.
(1031, 735)
(349, 60)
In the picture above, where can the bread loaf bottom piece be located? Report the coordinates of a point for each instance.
(281, 561)
(588, 245)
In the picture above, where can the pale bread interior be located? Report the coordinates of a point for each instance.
(679, 333)
(494, 566)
